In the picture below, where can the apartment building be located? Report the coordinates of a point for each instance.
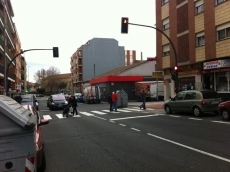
(97, 56)
(23, 74)
(9, 47)
(200, 32)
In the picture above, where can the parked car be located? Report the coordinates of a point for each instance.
(197, 102)
(57, 101)
(29, 99)
(79, 97)
(40, 153)
(224, 110)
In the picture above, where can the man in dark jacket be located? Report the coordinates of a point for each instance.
(143, 97)
(74, 105)
(110, 102)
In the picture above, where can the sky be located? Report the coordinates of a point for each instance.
(44, 24)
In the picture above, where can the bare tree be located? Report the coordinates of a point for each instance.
(40, 74)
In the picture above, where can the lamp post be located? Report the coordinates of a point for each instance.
(28, 78)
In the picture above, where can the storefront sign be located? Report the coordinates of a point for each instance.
(226, 63)
(212, 64)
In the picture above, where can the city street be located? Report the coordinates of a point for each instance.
(134, 140)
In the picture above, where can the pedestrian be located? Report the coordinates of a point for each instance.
(110, 101)
(114, 100)
(74, 105)
(143, 97)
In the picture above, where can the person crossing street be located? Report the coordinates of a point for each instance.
(114, 99)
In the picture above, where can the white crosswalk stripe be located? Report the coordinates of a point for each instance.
(132, 109)
(99, 113)
(122, 110)
(47, 117)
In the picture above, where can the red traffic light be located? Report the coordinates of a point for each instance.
(124, 24)
(175, 68)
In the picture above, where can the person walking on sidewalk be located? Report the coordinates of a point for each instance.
(143, 97)
(110, 102)
(114, 99)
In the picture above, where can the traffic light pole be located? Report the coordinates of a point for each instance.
(174, 50)
(13, 59)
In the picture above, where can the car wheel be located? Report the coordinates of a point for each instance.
(168, 109)
(196, 111)
(225, 114)
(43, 165)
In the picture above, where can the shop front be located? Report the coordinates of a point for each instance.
(216, 76)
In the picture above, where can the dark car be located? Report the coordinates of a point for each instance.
(40, 153)
(57, 101)
(224, 110)
(29, 99)
(197, 102)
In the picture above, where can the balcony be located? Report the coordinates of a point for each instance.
(12, 76)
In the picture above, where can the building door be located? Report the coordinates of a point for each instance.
(208, 81)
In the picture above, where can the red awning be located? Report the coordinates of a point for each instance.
(116, 79)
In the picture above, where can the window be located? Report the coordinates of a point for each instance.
(166, 50)
(223, 31)
(219, 1)
(200, 39)
(164, 1)
(223, 81)
(190, 95)
(199, 6)
(165, 24)
(180, 96)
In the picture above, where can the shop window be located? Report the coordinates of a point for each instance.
(186, 83)
(199, 6)
(223, 82)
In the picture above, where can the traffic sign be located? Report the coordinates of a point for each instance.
(157, 74)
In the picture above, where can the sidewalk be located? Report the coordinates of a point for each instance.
(154, 105)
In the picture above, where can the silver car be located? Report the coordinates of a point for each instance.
(193, 101)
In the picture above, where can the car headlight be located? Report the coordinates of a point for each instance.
(52, 103)
(66, 102)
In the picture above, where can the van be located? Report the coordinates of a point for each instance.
(157, 91)
(92, 94)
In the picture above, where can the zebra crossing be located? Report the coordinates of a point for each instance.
(96, 112)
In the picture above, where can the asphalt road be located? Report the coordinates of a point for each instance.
(134, 140)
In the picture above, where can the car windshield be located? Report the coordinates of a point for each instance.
(58, 97)
(209, 94)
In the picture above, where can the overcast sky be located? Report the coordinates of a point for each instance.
(69, 24)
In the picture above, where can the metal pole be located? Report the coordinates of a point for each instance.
(174, 50)
(94, 69)
(157, 89)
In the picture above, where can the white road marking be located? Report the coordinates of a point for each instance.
(105, 110)
(60, 116)
(191, 148)
(196, 119)
(135, 129)
(47, 117)
(122, 110)
(132, 109)
(99, 113)
(174, 116)
(122, 125)
(112, 121)
(221, 122)
(44, 110)
(145, 109)
(86, 113)
(77, 116)
(100, 118)
(115, 119)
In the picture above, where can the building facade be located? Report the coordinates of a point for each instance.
(200, 32)
(97, 56)
(130, 57)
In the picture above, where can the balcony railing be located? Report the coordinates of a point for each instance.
(9, 73)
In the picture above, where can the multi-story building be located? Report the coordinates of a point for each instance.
(97, 56)
(7, 45)
(200, 32)
(130, 57)
(23, 74)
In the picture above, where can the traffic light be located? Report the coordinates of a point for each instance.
(124, 24)
(175, 68)
(173, 76)
(55, 52)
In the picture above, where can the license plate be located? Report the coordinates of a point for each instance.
(215, 102)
